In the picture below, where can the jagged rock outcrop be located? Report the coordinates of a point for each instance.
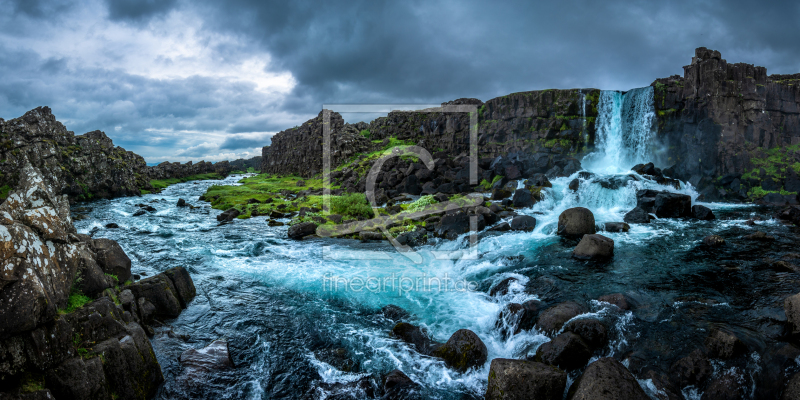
(83, 167)
(243, 165)
(80, 166)
(49, 340)
(731, 130)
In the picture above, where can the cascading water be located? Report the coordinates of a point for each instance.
(624, 125)
(268, 295)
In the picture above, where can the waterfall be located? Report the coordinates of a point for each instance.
(624, 127)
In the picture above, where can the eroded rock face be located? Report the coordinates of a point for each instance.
(38, 263)
(520, 380)
(606, 379)
(98, 349)
(733, 114)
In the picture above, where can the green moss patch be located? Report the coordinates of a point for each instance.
(158, 184)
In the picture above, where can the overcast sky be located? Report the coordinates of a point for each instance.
(200, 80)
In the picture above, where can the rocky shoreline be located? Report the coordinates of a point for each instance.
(73, 320)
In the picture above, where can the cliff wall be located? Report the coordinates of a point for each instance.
(550, 123)
(730, 129)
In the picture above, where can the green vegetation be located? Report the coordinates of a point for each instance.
(352, 205)
(159, 185)
(4, 192)
(76, 300)
(420, 203)
(662, 113)
(32, 383)
(365, 133)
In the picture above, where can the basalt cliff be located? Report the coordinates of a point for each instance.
(730, 130)
(83, 167)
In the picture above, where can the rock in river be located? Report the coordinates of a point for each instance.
(606, 379)
(523, 380)
(594, 247)
(464, 350)
(576, 222)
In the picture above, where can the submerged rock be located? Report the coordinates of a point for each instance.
(594, 247)
(606, 379)
(713, 240)
(523, 380)
(464, 350)
(724, 345)
(694, 369)
(215, 356)
(617, 299)
(576, 222)
(413, 335)
(397, 386)
(394, 313)
(617, 227)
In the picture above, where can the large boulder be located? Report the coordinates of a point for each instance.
(457, 223)
(464, 350)
(523, 380)
(523, 198)
(398, 386)
(576, 222)
(694, 369)
(617, 227)
(112, 259)
(702, 213)
(567, 351)
(673, 205)
(184, 286)
(552, 319)
(594, 247)
(522, 223)
(301, 230)
(638, 216)
(591, 330)
(606, 379)
(160, 292)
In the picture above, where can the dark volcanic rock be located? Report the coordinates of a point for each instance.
(724, 345)
(694, 369)
(523, 380)
(594, 247)
(567, 351)
(606, 379)
(552, 319)
(464, 350)
(576, 222)
(523, 198)
(637, 216)
(112, 259)
(617, 299)
(702, 213)
(617, 227)
(592, 331)
(301, 230)
(522, 223)
(398, 386)
(394, 312)
(673, 205)
(791, 307)
(414, 336)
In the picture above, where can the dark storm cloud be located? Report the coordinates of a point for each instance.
(137, 10)
(358, 52)
(412, 51)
